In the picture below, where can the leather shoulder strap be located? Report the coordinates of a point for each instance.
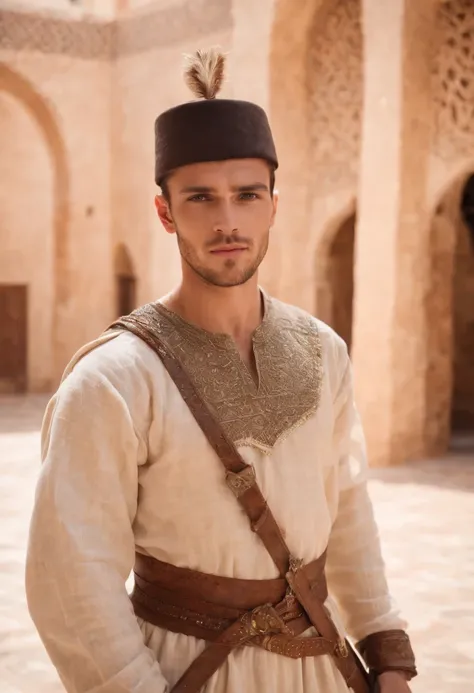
(241, 479)
(240, 476)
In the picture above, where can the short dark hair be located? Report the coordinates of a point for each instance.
(165, 191)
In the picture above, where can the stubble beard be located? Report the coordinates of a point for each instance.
(219, 278)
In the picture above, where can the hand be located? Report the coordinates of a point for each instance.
(393, 682)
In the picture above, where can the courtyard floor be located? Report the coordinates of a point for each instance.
(426, 517)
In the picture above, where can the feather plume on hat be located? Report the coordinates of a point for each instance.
(207, 128)
(204, 73)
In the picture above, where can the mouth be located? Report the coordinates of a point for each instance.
(228, 250)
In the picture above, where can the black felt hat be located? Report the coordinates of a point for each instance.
(210, 129)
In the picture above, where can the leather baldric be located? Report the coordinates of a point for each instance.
(242, 481)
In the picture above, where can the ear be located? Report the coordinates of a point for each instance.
(276, 197)
(164, 214)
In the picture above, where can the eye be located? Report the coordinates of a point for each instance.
(198, 198)
(248, 196)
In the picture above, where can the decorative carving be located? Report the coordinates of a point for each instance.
(335, 83)
(94, 40)
(453, 80)
(21, 31)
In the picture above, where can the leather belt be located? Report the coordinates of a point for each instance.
(229, 613)
(206, 606)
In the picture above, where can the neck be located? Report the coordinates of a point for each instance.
(235, 311)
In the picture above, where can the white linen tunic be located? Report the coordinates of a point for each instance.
(126, 468)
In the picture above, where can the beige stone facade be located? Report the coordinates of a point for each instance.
(372, 106)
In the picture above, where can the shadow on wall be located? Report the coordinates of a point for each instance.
(450, 310)
(125, 282)
(463, 312)
(335, 280)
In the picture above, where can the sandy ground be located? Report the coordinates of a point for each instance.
(426, 517)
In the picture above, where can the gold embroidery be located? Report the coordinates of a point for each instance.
(288, 355)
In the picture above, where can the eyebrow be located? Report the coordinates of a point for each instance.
(201, 189)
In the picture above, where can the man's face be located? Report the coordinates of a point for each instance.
(222, 213)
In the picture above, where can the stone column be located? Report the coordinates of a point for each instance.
(392, 239)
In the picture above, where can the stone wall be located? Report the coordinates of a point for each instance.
(335, 83)
(72, 9)
(452, 162)
(146, 80)
(58, 71)
(370, 124)
(26, 225)
(128, 6)
(92, 91)
(335, 97)
(314, 105)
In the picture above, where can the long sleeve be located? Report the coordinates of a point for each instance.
(81, 547)
(355, 568)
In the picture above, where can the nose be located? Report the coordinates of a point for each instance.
(226, 223)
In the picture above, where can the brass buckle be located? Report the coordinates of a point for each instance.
(240, 482)
(341, 649)
(264, 620)
(296, 564)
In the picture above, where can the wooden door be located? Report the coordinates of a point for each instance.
(13, 338)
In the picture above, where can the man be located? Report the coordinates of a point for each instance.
(131, 477)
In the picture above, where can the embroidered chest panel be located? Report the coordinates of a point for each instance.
(288, 357)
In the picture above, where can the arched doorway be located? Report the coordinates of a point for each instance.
(335, 280)
(38, 175)
(125, 282)
(318, 137)
(26, 260)
(462, 409)
(449, 385)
